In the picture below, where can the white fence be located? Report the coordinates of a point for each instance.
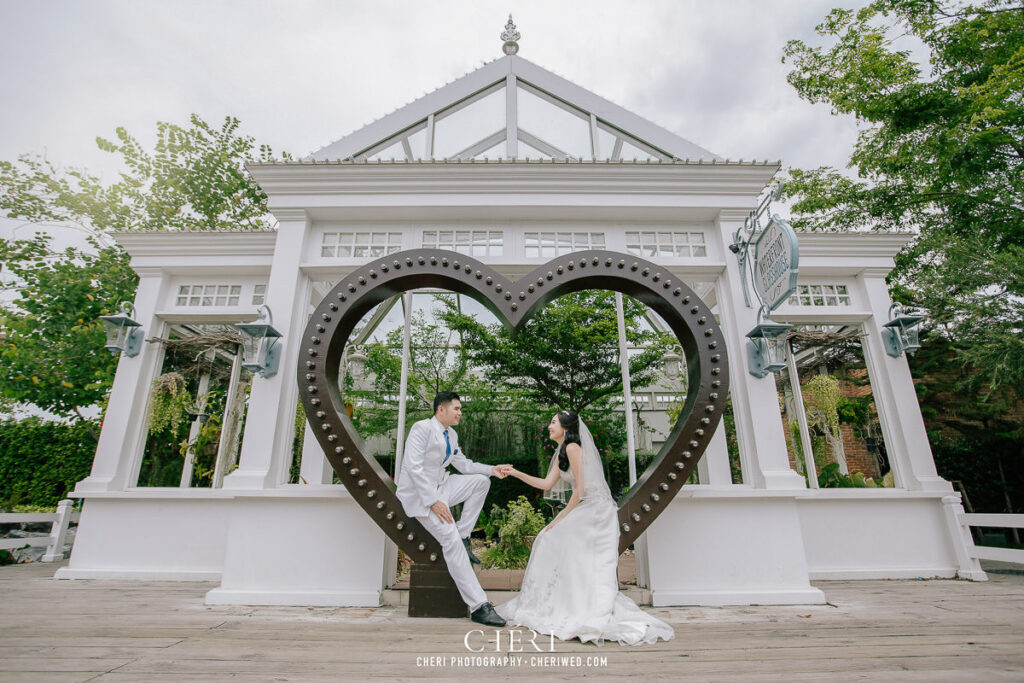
(998, 521)
(61, 520)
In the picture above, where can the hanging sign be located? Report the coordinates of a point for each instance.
(776, 260)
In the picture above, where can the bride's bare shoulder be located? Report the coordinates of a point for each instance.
(572, 449)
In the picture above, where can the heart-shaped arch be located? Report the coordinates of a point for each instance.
(512, 302)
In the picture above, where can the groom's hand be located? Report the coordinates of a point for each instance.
(442, 511)
(501, 471)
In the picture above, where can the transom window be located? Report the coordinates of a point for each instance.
(360, 244)
(662, 400)
(208, 295)
(468, 242)
(549, 244)
(820, 295)
(669, 244)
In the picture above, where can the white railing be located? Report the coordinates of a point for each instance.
(61, 520)
(1003, 521)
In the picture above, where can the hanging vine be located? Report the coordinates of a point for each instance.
(169, 402)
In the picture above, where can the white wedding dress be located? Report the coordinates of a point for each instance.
(571, 587)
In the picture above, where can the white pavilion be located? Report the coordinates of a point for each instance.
(513, 165)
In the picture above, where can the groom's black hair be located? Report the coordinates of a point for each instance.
(444, 397)
(571, 424)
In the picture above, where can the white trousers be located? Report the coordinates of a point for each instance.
(470, 489)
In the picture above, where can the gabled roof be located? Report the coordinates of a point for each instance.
(499, 110)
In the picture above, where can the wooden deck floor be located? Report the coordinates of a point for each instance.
(98, 630)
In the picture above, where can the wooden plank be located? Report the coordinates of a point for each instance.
(161, 631)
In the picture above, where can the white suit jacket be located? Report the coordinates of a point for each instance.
(423, 473)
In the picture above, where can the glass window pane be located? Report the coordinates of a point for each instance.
(568, 131)
(456, 132)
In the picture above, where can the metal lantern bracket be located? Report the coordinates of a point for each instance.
(900, 334)
(261, 354)
(124, 335)
(766, 349)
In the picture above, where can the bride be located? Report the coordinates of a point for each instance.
(571, 588)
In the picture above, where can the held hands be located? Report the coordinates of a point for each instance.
(502, 471)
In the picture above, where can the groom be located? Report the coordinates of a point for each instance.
(426, 491)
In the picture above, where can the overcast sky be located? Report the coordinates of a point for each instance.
(303, 73)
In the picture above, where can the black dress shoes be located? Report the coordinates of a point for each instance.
(472, 558)
(485, 614)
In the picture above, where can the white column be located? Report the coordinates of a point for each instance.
(714, 467)
(755, 402)
(801, 418)
(230, 421)
(314, 468)
(193, 430)
(403, 388)
(906, 440)
(627, 389)
(123, 436)
(270, 423)
(640, 545)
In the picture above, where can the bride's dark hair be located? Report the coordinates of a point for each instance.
(571, 424)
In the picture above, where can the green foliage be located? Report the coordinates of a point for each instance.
(41, 461)
(52, 348)
(939, 153)
(169, 402)
(567, 354)
(822, 397)
(194, 179)
(518, 521)
(51, 338)
(206, 441)
(831, 477)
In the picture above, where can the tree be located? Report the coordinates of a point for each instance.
(940, 154)
(52, 342)
(52, 351)
(567, 355)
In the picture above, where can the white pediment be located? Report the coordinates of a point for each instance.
(511, 108)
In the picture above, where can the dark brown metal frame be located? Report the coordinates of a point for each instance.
(512, 302)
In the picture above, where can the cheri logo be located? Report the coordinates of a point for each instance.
(476, 640)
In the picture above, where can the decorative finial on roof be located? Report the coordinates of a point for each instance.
(510, 35)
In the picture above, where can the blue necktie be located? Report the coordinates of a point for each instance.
(448, 444)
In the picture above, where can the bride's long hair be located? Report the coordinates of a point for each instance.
(571, 424)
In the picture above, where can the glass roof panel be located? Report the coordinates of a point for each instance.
(633, 152)
(392, 320)
(496, 152)
(526, 151)
(474, 122)
(605, 143)
(553, 124)
(480, 313)
(418, 141)
(393, 151)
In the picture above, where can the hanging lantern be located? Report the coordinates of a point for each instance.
(672, 363)
(356, 364)
(260, 351)
(767, 346)
(902, 332)
(124, 335)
